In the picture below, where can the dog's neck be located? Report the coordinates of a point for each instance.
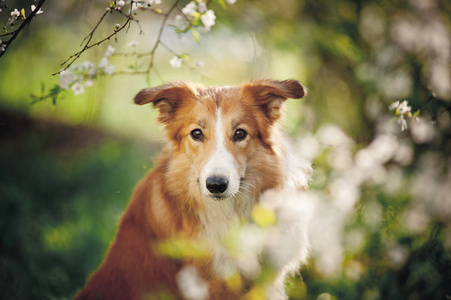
(217, 216)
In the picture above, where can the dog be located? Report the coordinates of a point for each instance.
(226, 153)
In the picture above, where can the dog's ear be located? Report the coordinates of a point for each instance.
(270, 95)
(166, 98)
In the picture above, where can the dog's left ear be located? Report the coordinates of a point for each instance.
(167, 98)
(270, 94)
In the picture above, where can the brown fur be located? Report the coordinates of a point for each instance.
(168, 203)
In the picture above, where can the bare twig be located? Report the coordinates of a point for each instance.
(158, 41)
(25, 22)
(68, 62)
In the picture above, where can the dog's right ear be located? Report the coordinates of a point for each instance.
(166, 98)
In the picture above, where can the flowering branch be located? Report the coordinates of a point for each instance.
(195, 15)
(68, 62)
(26, 21)
(403, 111)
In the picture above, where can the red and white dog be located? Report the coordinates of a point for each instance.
(225, 150)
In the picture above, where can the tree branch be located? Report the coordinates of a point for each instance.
(158, 41)
(68, 62)
(25, 22)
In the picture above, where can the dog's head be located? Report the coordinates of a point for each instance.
(224, 132)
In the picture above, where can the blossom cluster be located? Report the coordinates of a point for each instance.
(403, 111)
(135, 4)
(195, 15)
(79, 76)
(15, 16)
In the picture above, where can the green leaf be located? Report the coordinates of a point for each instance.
(222, 3)
(184, 56)
(196, 35)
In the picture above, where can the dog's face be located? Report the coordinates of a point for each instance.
(224, 132)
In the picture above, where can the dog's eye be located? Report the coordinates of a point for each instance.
(197, 135)
(240, 134)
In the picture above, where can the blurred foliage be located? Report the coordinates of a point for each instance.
(63, 186)
(63, 190)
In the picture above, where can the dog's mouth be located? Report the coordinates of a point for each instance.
(218, 197)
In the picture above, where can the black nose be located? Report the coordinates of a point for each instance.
(217, 184)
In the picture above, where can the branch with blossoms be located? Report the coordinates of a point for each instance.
(115, 6)
(403, 111)
(17, 17)
(195, 17)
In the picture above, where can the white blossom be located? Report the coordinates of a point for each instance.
(202, 7)
(181, 22)
(109, 69)
(87, 65)
(136, 5)
(103, 63)
(191, 284)
(110, 50)
(89, 83)
(332, 135)
(208, 19)
(33, 7)
(66, 78)
(190, 9)
(132, 44)
(404, 108)
(394, 105)
(402, 122)
(15, 13)
(308, 147)
(400, 107)
(176, 62)
(78, 88)
(147, 3)
(231, 1)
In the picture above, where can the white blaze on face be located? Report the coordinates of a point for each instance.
(221, 163)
